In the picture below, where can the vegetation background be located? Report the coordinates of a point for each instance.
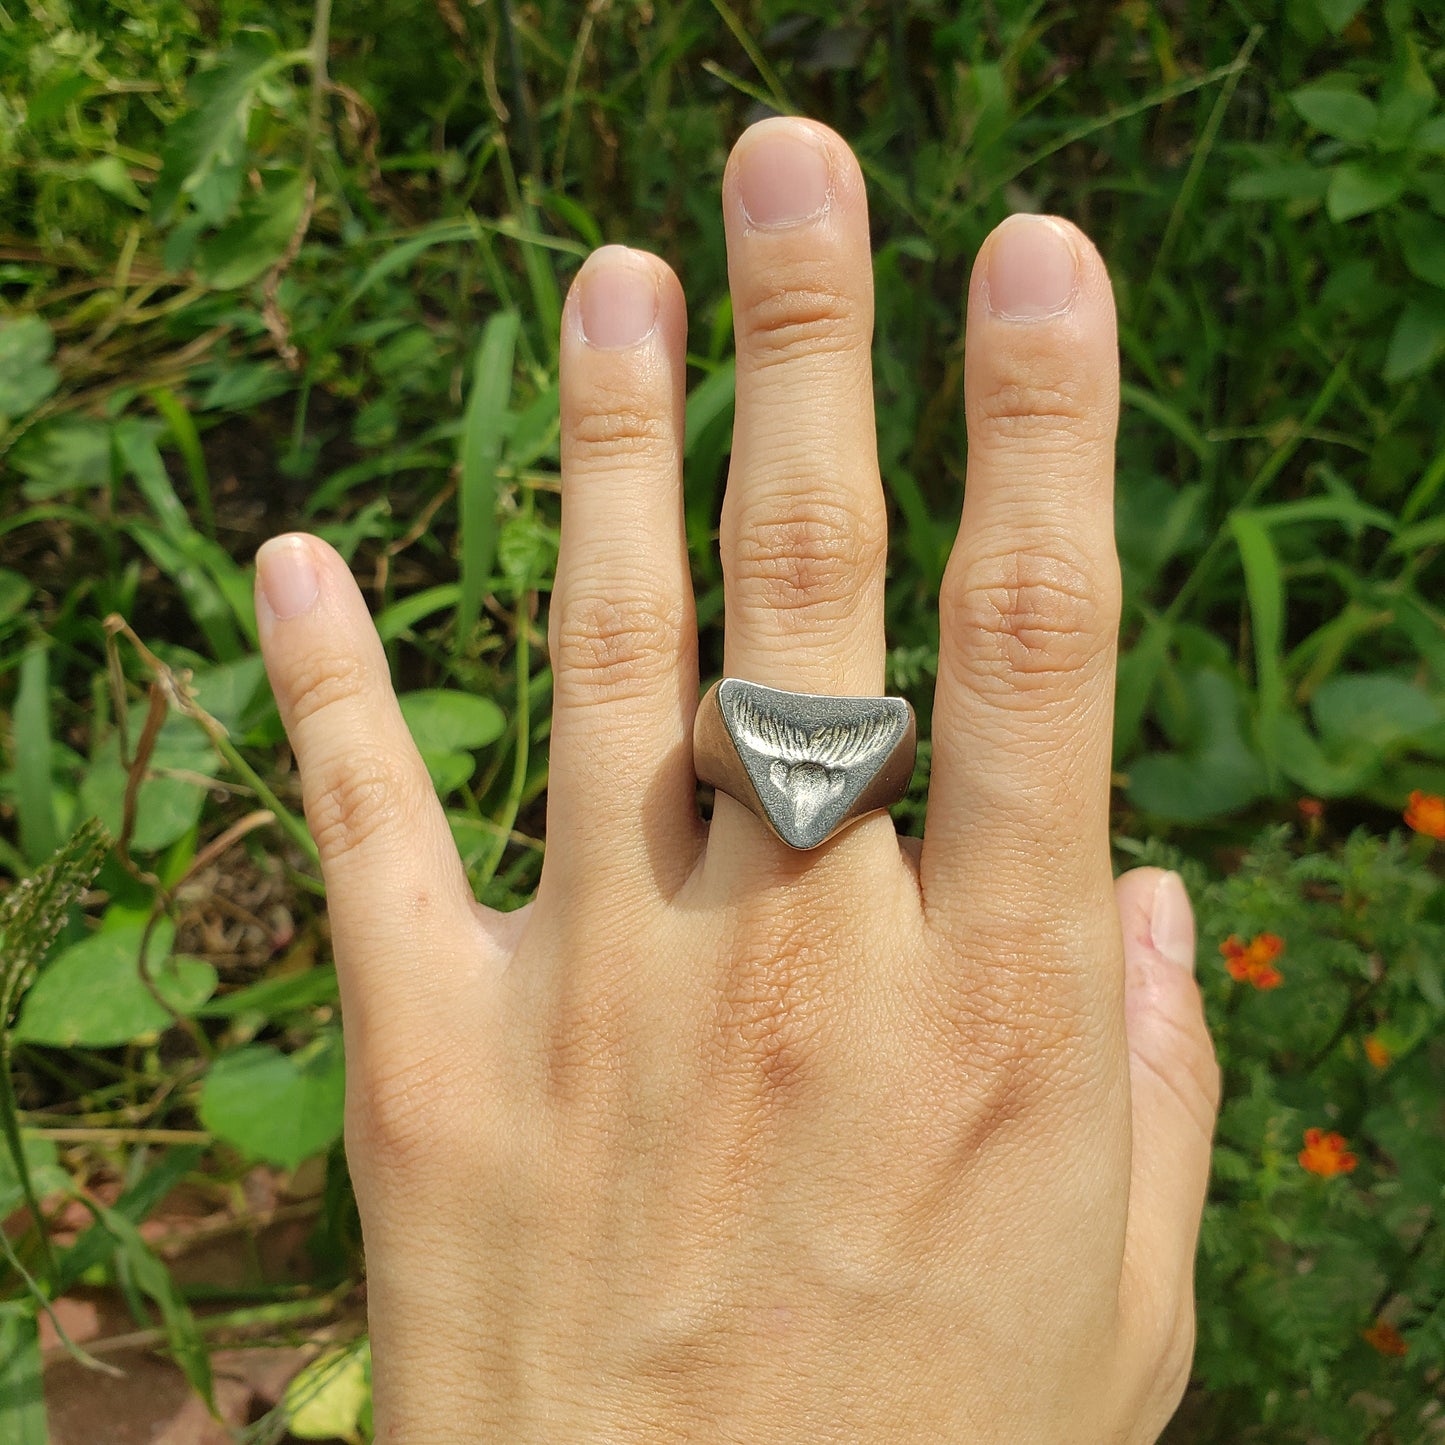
(270, 266)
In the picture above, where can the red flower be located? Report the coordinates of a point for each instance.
(1325, 1154)
(1253, 962)
(1376, 1052)
(1312, 809)
(1384, 1337)
(1425, 813)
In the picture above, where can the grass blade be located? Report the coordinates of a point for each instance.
(22, 1401)
(482, 434)
(39, 835)
(1264, 587)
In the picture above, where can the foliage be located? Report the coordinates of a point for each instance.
(267, 265)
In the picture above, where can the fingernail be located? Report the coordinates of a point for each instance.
(616, 299)
(1171, 922)
(288, 576)
(1032, 270)
(783, 177)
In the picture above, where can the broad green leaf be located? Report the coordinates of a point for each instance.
(1217, 775)
(15, 592)
(110, 175)
(26, 377)
(1359, 187)
(1422, 241)
(279, 1107)
(213, 133)
(1430, 138)
(326, 1400)
(92, 993)
(1288, 181)
(1417, 340)
(1376, 709)
(22, 1400)
(43, 1166)
(1303, 761)
(1344, 114)
(68, 454)
(256, 239)
(447, 727)
(481, 450)
(1338, 13)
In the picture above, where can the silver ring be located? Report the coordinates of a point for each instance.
(807, 764)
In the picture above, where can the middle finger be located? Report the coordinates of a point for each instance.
(804, 533)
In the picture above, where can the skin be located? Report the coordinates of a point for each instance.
(714, 1141)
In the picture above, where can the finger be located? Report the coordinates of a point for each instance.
(394, 882)
(621, 791)
(1174, 1089)
(803, 527)
(1022, 721)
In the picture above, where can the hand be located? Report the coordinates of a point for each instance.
(715, 1141)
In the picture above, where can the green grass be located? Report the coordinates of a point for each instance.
(268, 266)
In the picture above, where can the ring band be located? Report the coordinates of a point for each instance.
(807, 764)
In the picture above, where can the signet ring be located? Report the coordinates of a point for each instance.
(806, 763)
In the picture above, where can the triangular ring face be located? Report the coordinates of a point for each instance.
(809, 757)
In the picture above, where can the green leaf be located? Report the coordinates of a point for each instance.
(1417, 340)
(39, 834)
(1264, 586)
(1422, 241)
(1288, 181)
(22, 1400)
(1303, 761)
(109, 174)
(213, 133)
(26, 378)
(279, 1107)
(1216, 775)
(15, 592)
(253, 242)
(482, 432)
(1430, 138)
(273, 997)
(1377, 709)
(1338, 13)
(1359, 187)
(1344, 114)
(326, 1400)
(139, 1266)
(92, 993)
(447, 727)
(41, 1163)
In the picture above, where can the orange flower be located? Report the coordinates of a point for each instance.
(1325, 1154)
(1376, 1052)
(1384, 1337)
(1312, 809)
(1426, 814)
(1253, 962)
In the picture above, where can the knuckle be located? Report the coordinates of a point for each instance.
(770, 1012)
(354, 799)
(1032, 620)
(1020, 405)
(617, 649)
(799, 552)
(325, 681)
(401, 1117)
(790, 323)
(615, 431)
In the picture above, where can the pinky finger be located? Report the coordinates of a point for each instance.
(398, 896)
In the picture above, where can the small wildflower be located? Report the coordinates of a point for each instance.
(1425, 813)
(1376, 1052)
(1311, 809)
(1253, 962)
(1384, 1337)
(1325, 1154)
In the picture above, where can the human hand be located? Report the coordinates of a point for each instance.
(715, 1141)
